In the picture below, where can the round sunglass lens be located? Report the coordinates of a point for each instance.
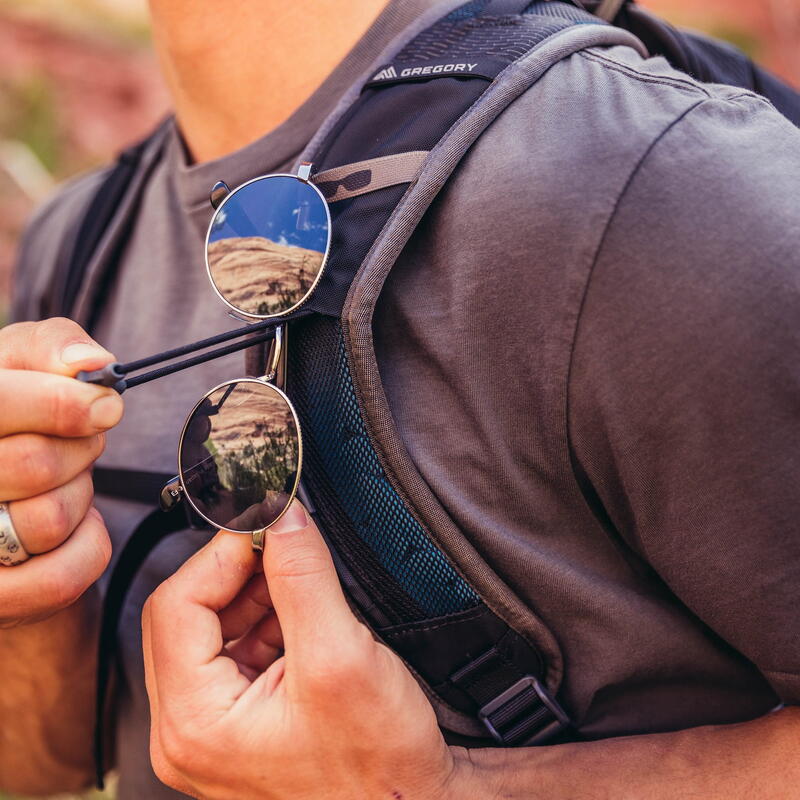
(240, 456)
(267, 245)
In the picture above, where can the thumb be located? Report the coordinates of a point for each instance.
(304, 586)
(53, 345)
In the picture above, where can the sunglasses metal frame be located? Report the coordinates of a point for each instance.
(303, 176)
(275, 376)
(275, 373)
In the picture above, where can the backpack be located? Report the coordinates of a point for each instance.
(490, 666)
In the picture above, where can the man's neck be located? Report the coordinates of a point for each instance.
(238, 70)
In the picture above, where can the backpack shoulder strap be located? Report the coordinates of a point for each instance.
(95, 221)
(490, 666)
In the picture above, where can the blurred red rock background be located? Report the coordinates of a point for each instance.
(78, 81)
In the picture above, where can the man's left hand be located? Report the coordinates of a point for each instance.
(281, 692)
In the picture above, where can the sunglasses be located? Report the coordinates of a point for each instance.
(241, 450)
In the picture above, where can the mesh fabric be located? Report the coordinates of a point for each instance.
(360, 511)
(502, 37)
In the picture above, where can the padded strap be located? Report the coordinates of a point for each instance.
(438, 621)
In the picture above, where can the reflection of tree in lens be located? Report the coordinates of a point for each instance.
(259, 276)
(253, 452)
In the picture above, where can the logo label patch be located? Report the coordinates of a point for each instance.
(419, 72)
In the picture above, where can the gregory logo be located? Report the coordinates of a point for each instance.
(429, 70)
(386, 74)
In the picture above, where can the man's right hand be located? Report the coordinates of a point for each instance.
(51, 432)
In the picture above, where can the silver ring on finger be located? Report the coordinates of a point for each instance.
(11, 550)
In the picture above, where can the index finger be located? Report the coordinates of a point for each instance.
(56, 345)
(183, 626)
(40, 402)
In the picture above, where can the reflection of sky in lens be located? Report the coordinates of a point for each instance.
(282, 209)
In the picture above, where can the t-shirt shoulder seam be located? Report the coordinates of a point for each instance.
(610, 63)
(779, 673)
(611, 217)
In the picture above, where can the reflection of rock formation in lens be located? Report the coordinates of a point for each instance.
(259, 276)
(254, 445)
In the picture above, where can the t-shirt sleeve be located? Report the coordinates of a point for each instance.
(684, 397)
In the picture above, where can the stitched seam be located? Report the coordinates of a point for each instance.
(594, 54)
(634, 172)
(390, 634)
(642, 77)
(782, 673)
(749, 95)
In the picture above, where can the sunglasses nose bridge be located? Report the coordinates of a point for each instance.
(276, 362)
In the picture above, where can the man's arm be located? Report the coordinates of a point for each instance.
(757, 759)
(317, 708)
(685, 379)
(47, 701)
(51, 431)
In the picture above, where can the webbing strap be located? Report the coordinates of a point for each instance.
(95, 222)
(608, 9)
(130, 484)
(352, 180)
(515, 707)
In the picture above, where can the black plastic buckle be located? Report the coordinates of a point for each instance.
(524, 714)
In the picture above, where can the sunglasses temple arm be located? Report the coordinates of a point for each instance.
(168, 355)
(113, 375)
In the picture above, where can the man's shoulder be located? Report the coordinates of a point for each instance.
(606, 123)
(48, 240)
(65, 207)
(51, 233)
(601, 110)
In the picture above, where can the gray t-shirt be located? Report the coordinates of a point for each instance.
(589, 348)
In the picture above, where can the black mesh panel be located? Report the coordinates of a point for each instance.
(363, 516)
(506, 37)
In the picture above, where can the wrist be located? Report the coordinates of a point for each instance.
(68, 628)
(472, 776)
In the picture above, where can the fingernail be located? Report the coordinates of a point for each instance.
(106, 411)
(294, 519)
(81, 351)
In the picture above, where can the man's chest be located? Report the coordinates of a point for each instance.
(161, 298)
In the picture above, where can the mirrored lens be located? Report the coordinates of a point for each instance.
(240, 455)
(267, 245)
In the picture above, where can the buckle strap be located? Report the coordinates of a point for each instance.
(525, 714)
(514, 706)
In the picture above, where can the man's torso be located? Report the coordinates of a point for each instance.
(477, 334)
